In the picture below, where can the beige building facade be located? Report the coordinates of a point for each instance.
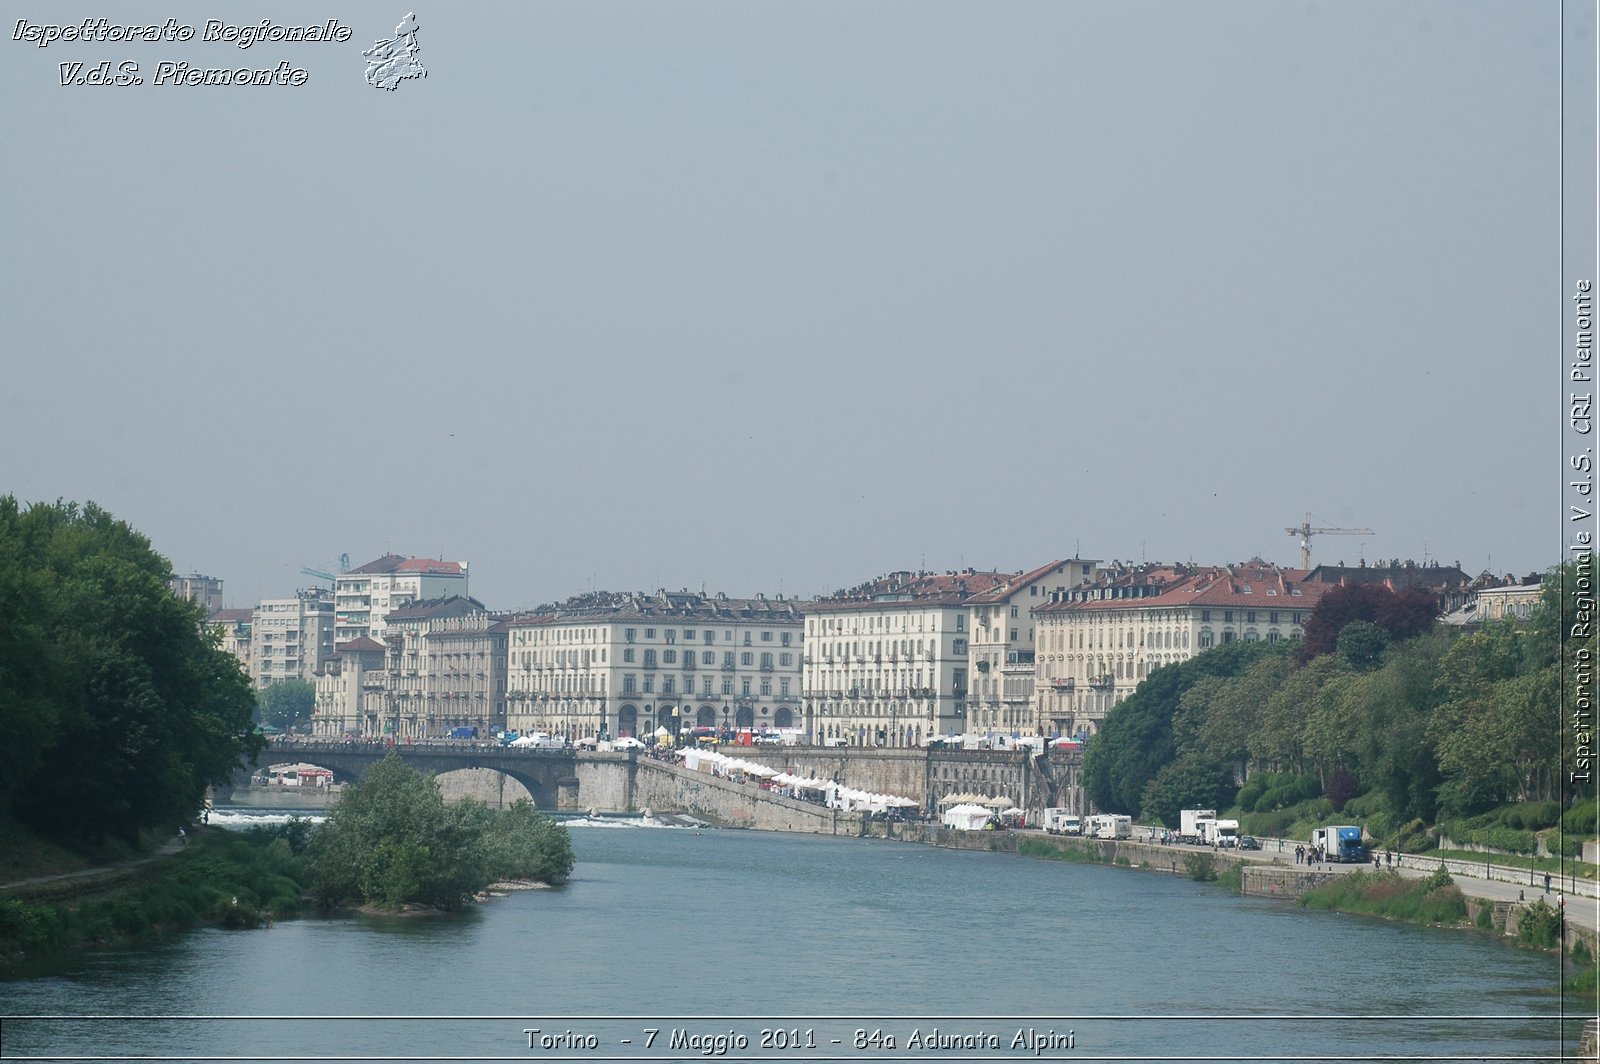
(1002, 647)
(1097, 642)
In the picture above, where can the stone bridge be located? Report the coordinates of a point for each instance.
(551, 776)
(616, 781)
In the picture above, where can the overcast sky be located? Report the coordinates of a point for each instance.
(777, 297)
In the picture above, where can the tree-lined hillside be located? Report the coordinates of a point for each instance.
(1423, 723)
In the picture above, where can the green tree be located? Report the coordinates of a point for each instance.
(1136, 739)
(286, 703)
(1361, 644)
(118, 709)
(1191, 782)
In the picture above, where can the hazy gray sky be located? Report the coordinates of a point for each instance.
(781, 296)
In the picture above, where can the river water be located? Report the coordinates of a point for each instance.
(700, 934)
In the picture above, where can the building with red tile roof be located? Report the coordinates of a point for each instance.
(1002, 650)
(367, 594)
(1098, 641)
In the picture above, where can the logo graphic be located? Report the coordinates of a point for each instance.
(393, 61)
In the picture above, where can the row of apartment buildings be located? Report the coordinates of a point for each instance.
(892, 662)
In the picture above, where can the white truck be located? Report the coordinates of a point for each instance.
(1110, 826)
(1062, 822)
(1191, 824)
(1220, 833)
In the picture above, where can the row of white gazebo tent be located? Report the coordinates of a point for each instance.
(972, 812)
(835, 795)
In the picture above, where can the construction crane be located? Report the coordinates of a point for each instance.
(1306, 531)
(344, 567)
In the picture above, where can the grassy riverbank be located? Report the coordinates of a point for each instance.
(223, 879)
(1434, 900)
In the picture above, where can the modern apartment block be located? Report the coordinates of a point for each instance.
(366, 595)
(291, 638)
(630, 664)
(206, 590)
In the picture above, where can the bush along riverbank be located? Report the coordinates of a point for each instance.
(223, 879)
(1434, 900)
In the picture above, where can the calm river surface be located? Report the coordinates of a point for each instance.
(816, 938)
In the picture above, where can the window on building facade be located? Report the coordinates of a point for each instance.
(649, 685)
(670, 657)
(667, 685)
(630, 683)
(649, 633)
(649, 659)
(727, 659)
(630, 634)
(766, 637)
(766, 687)
(688, 635)
(744, 687)
(786, 660)
(766, 659)
(783, 688)
(785, 637)
(708, 657)
(727, 685)
(747, 658)
(1013, 635)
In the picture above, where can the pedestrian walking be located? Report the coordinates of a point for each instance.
(1547, 882)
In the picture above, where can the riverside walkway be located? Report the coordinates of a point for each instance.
(1483, 880)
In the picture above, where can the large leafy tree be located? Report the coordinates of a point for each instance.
(118, 709)
(1403, 615)
(1136, 739)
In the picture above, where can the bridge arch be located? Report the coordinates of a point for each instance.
(545, 774)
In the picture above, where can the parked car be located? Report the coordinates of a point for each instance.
(1249, 842)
